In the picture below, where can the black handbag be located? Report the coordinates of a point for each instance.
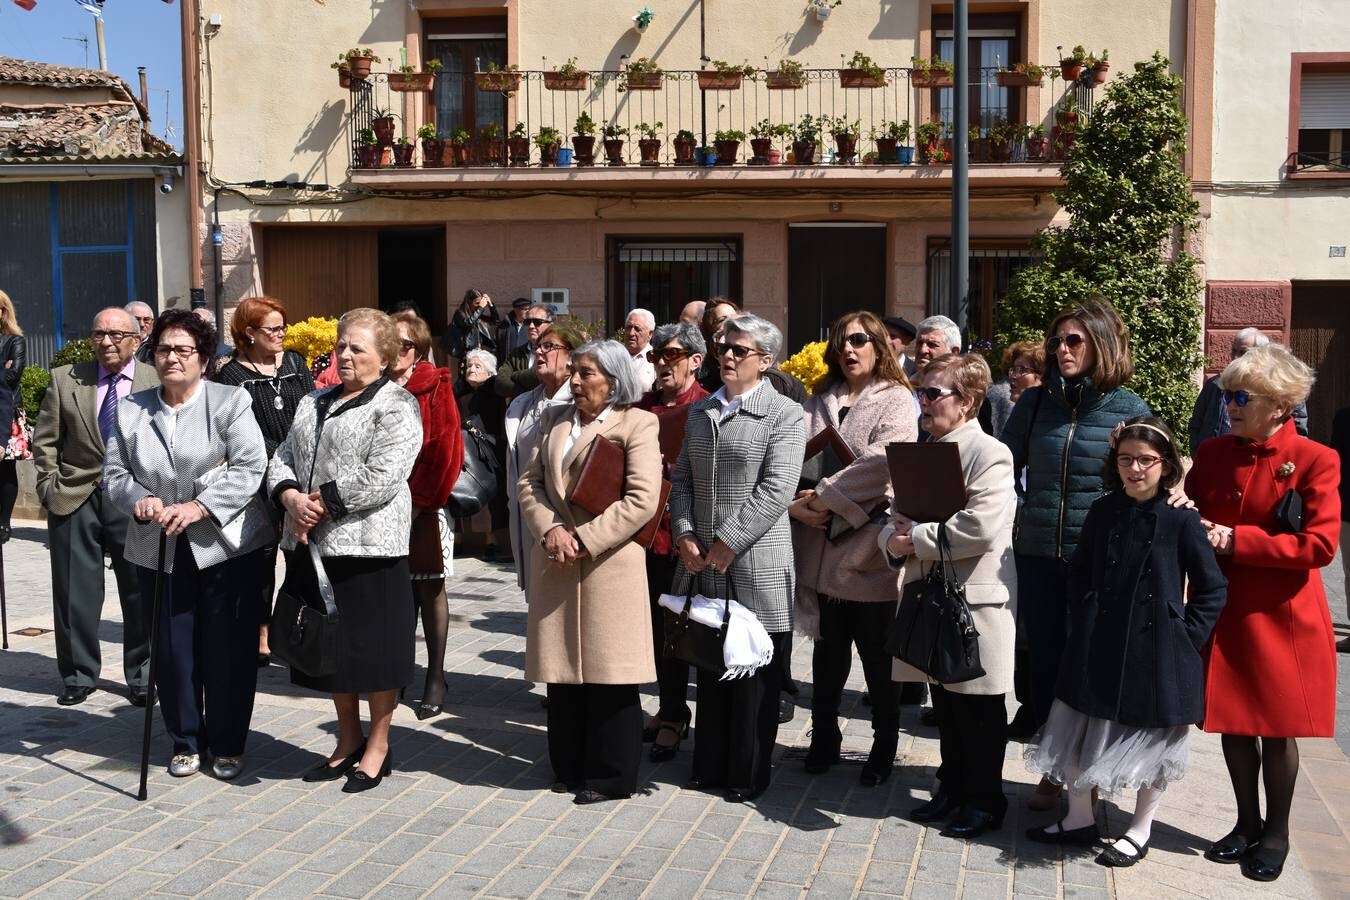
(301, 636)
(693, 642)
(934, 630)
(477, 481)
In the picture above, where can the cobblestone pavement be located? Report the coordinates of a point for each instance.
(467, 810)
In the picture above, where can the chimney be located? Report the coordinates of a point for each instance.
(145, 92)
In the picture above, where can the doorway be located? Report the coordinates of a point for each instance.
(1319, 334)
(412, 272)
(833, 269)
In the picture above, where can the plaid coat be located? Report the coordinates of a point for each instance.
(733, 482)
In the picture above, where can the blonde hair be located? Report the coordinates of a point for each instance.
(381, 326)
(970, 376)
(1271, 371)
(9, 322)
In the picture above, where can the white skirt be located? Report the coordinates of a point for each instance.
(1081, 752)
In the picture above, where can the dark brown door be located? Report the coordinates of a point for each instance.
(1319, 335)
(833, 269)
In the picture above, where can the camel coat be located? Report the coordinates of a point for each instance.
(853, 567)
(590, 622)
(980, 538)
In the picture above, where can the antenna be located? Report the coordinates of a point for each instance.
(83, 40)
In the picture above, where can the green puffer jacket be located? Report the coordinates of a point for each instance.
(1059, 434)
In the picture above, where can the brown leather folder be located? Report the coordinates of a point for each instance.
(928, 481)
(601, 482)
(826, 454)
(671, 421)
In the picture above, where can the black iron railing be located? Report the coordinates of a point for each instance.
(1338, 162)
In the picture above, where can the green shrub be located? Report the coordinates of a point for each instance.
(33, 384)
(77, 351)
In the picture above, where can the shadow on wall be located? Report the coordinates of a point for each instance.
(387, 22)
(896, 21)
(629, 44)
(324, 132)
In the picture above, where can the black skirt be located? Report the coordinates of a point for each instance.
(377, 626)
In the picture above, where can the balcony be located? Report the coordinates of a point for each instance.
(613, 129)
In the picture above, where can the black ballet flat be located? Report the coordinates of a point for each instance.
(324, 772)
(1086, 836)
(1263, 864)
(1230, 849)
(935, 810)
(359, 781)
(1118, 859)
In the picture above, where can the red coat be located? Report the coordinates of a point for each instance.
(1271, 665)
(662, 545)
(442, 457)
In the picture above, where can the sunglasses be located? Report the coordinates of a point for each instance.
(933, 394)
(1072, 341)
(668, 355)
(1241, 398)
(537, 322)
(407, 345)
(1146, 462)
(720, 350)
(857, 340)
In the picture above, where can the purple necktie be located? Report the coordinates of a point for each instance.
(107, 413)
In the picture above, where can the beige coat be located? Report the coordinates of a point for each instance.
(853, 567)
(590, 623)
(980, 537)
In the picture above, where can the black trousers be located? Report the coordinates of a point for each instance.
(972, 737)
(595, 736)
(737, 725)
(1042, 620)
(206, 650)
(672, 675)
(845, 624)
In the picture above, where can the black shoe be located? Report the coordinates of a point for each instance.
(1022, 726)
(822, 755)
(935, 810)
(880, 762)
(665, 752)
(359, 781)
(1076, 837)
(324, 772)
(913, 693)
(928, 718)
(425, 710)
(1230, 848)
(1119, 859)
(264, 660)
(74, 695)
(1264, 863)
(787, 710)
(137, 695)
(587, 796)
(5, 532)
(971, 823)
(740, 796)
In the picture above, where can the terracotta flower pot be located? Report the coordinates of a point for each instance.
(979, 150)
(360, 66)
(614, 151)
(1000, 151)
(804, 152)
(1069, 70)
(431, 152)
(1036, 147)
(719, 81)
(845, 147)
(782, 81)
(759, 150)
(644, 81)
(417, 82)
(1099, 72)
(548, 155)
(583, 145)
(931, 80)
(649, 149)
(1015, 79)
(557, 81)
(345, 78)
(501, 82)
(860, 78)
(403, 156)
(886, 152)
(368, 157)
(384, 130)
(726, 152)
(684, 151)
(520, 150)
(493, 151)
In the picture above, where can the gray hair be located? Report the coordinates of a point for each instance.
(132, 324)
(689, 337)
(950, 330)
(615, 363)
(488, 358)
(764, 333)
(135, 306)
(648, 320)
(1258, 337)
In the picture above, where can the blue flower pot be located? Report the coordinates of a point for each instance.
(904, 155)
(564, 157)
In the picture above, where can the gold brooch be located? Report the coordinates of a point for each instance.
(1285, 470)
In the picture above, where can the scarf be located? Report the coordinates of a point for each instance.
(747, 646)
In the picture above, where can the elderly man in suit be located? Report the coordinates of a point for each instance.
(78, 413)
(144, 315)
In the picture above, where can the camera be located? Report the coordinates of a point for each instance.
(166, 185)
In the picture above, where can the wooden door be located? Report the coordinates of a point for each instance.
(321, 270)
(833, 269)
(1319, 334)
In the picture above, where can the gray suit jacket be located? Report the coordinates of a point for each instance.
(215, 431)
(67, 446)
(733, 482)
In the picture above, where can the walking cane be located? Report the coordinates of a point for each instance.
(4, 611)
(150, 687)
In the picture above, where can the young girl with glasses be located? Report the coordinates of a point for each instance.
(1131, 682)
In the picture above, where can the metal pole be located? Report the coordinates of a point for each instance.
(102, 45)
(192, 154)
(703, 61)
(960, 156)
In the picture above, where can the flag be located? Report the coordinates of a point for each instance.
(26, 4)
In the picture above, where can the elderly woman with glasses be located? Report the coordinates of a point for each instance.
(588, 636)
(186, 461)
(737, 473)
(1023, 361)
(677, 353)
(1269, 500)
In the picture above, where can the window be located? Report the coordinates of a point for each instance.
(995, 42)
(465, 46)
(663, 274)
(992, 267)
(1319, 116)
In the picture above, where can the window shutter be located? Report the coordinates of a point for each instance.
(1324, 101)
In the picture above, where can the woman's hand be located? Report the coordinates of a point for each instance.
(900, 544)
(719, 557)
(176, 519)
(808, 509)
(902, 524)
(1220, 537)
(147, 509)
(306, 512)
(1176, 497)
(561, 546)
(691, 554)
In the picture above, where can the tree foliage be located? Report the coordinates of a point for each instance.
(1131, 210)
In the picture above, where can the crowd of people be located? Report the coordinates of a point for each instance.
(1121, 597)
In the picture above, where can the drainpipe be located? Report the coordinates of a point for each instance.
(192, 152)
(145, 91)
(216, 242)
(102, 45)
(702, 95)
(960, 156)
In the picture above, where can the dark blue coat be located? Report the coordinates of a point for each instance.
(1133, 654)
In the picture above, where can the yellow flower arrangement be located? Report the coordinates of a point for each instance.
(312, 337)
(807, 365)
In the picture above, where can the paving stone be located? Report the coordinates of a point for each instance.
(939, 866)
(427, 869)
(642, 863)
(34, 876)
(735, 876)
(753, 846)
(581, 874)
(828, 885)
(198, 878)
(699, 855)
(520, 881)
(550, 851)
(886, 877)
(979, 885)
(619, 889)
(607, 843)
(848, 859)
(335, 857)
(1039, 880)
(677, 884)
(930, 890)
(361, 880)
(463, 839)
(773, 890)
(270, 866)
(791, 867)
(489, 861)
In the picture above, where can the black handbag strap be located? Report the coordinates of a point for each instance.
(325, 586)
(726, 611)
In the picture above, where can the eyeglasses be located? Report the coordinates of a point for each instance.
(1241, 398)
(146, 319)
(933, 394)
(1072, 341)
(273, 330)
(720, 350)
(668, 355)
(548, 348)
(182, 351)
(407, 345)
(1016, 371)
(116, 337)
(857, 340)
(1146, 462)
(537, 322)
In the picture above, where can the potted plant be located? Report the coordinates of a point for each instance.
(649, 145)
(861, 72)
(640, 75)
(762, 135)
(502, 79)
(459, 144)
(724, 76)
(1098, 66)
(1066, 127)
(344, 71)
(403, 153)
(685, 143)
(368, 150)
(613, 141)
(979, 145)
(888, 141)
(1071, 66)
(359, 61)
(1002, 135)
(490, 136)
(583, 139)
(822, 8)
(408, 80)
(1035, 142)
(728, 144)
(431, 146)
(804, 140)
(845, 136)
(928, 137)
(518, 145)
(382, 123)
(788, 76)
(548, 141)
(933, 72)
(1022, 74)
(567, 77)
